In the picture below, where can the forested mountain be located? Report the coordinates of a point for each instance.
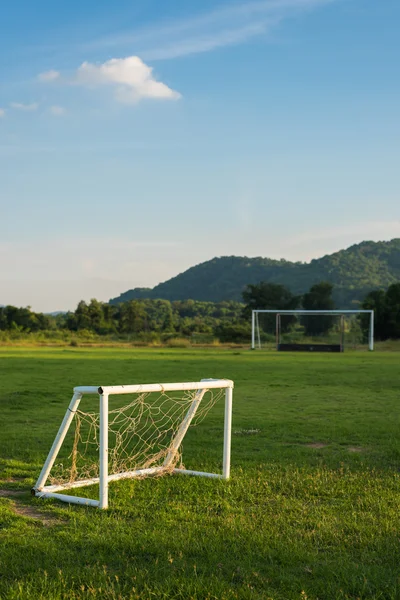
(354, 272)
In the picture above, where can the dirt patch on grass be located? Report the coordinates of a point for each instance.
(246, 431)
(32, 513)
(10, 493)
(25, 510)
(316, 445)
(356, 449)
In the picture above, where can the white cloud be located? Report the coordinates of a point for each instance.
(2, 113)
(25, 107)
(57, 111)
(49, 76)
(133, 79)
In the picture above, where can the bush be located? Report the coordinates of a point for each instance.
(238, 333)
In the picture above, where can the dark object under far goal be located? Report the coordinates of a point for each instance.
(310, 347)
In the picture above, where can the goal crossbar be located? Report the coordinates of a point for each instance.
(53, 491)
(155, 387)
(256, 312)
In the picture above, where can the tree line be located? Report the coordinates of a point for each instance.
(137, 318)
(227, 321)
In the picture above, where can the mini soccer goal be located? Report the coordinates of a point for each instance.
(138, 436)
(312, 330)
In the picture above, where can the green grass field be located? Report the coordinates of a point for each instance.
(311, 511)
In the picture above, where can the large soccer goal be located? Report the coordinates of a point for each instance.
(312, 330)
(130, 431)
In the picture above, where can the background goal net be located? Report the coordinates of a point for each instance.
(312, 330)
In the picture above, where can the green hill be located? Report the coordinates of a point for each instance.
(354, 272)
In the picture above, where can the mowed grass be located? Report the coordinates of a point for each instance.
(311, 511)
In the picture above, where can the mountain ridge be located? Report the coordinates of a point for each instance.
(354, 271)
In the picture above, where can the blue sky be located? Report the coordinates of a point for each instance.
(140, 138)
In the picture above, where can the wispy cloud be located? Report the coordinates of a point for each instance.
(2, 113)
(205, 43)
(24, 107)
(48, 76)
(57, 111)
(224, 26)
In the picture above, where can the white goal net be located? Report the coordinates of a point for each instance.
(332, 330)
(129, 432)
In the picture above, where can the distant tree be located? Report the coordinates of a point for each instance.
(96, 316)
(132, 317)
(376, 301)
(393, 310)
(3, 319)
(386, 307)
(22, 319)
(265, 295)
(272, 296)
(82, 316)
(70, 322)
(165, 315)
(109, 314)
(318, 298)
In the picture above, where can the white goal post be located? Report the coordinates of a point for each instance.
(189, 402)
(255, 330)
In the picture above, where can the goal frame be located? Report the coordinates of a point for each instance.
(40, 489)
(255, 326)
